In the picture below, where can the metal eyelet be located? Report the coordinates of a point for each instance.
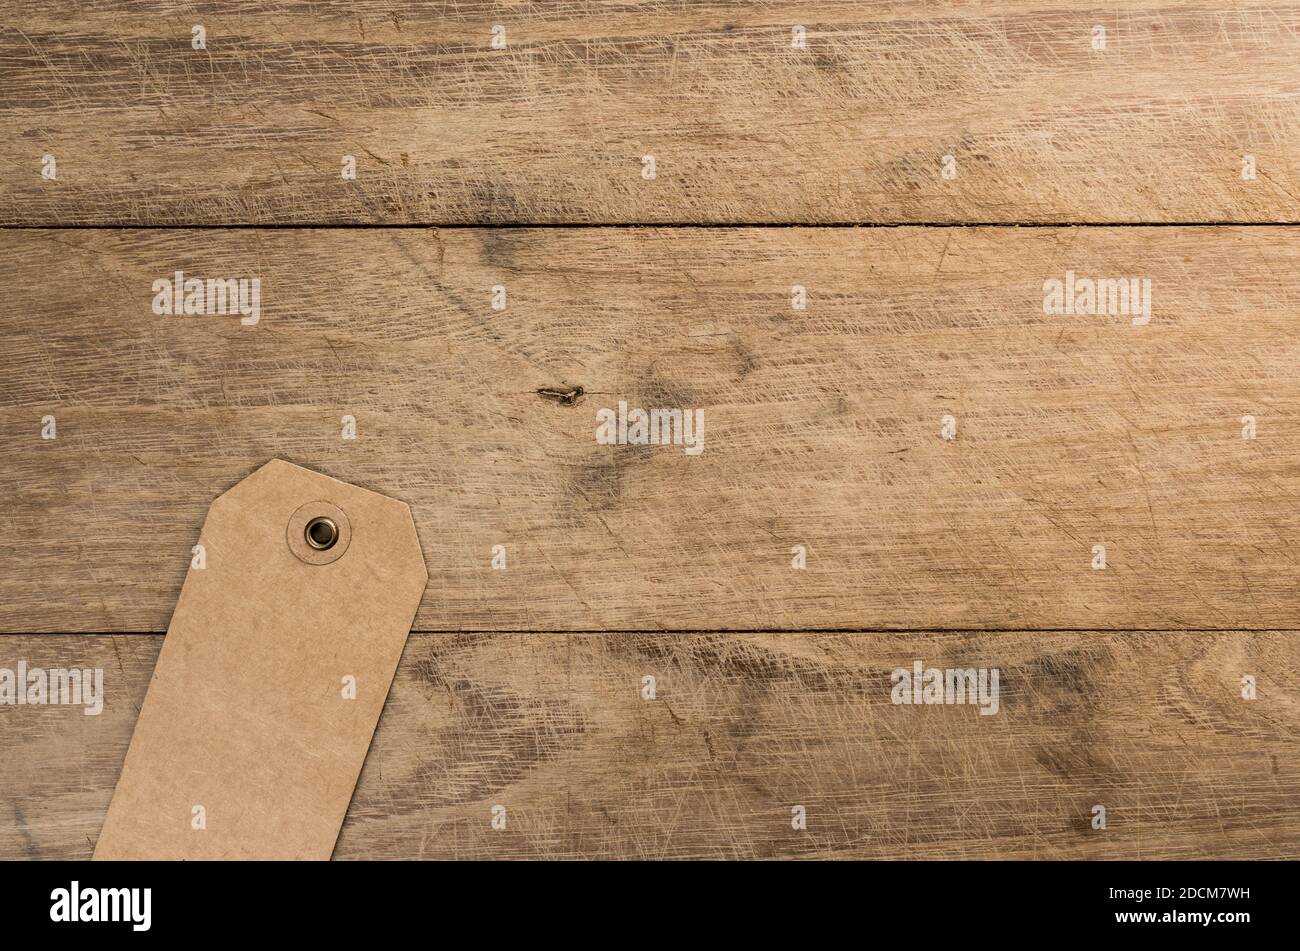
(321, 533)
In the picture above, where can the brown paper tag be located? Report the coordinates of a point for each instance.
(272, 675)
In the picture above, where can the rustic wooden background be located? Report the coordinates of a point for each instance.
(744, 127)
(522, 167)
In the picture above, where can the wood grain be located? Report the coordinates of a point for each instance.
(744, 727)
(823, 425)
(744, 128)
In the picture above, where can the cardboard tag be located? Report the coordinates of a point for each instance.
(272, 676)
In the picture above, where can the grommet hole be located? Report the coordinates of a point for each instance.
(321, 533)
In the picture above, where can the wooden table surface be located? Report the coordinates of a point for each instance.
(842, 250)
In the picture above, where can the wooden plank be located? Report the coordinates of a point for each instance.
(855, 127)
(742, 729)
(823, 425)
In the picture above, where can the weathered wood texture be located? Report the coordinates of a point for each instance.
(822, 426)
(743, 127)
(744, 727)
